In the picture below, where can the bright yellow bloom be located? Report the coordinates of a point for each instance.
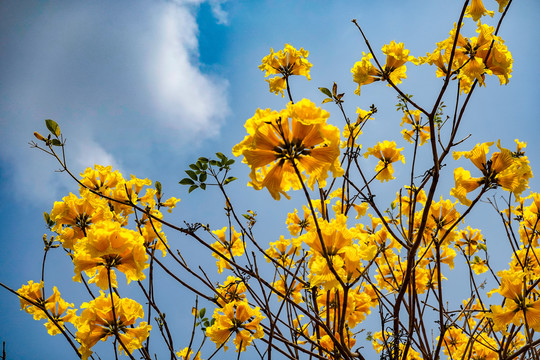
(296, 225)
(97, 322)
(185, 354)
(364, 72)
(283, 250)
(54, 306)
(471, 61)
(519, 307)
(295, 137)
(290, 288)
(228, 248)
(233, 289)
(468, 240)
(388, 154)
(418, 132)
(394, 70)
(101, 179)
(109, 246)
(352, 131)
(503, 169)
(476, 10)
(502, 4)
(151, 230)
(73, 217)
(285, 63)
(236, 319)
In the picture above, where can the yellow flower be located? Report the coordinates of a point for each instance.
(228, 248)
(54, 307)
(468, 240)
(364, 72)
(185, 354)
(295, 137)
(471, 61)
(236, 319)
(101, 178)
(394, 70)
(285, 63)
(73, 217)
(98, 321)
(503, 169)
(296, 225)
(519, 307)
(502, 4)
(109, 246)
(352, 131)
(476, 10)
(232, 290)
(291, 288)
(387, 153)
(418, 132)
(280, 251)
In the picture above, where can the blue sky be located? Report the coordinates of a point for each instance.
(148, 86)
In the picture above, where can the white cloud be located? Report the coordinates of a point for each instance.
(220, 14)
(186, 98)
(115, 79)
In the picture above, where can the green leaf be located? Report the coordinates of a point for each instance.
(325, 91)
(53, 127)
(202, 312)
(186, 181)
(158, 187)
(47, 217)
(229, 162)
(214, 162)
(221, 156)
(194, 167)
(334, 89)
(203, 186)
(326, 100)
(56, 142)
(191, 188)
(192, 174)
(228, 180)
(202, 177)
(203, 159)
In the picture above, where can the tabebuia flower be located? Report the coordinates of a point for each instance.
(281, 145)
(419, 132)
(394, 69)
(98, 321)
(474, 57)
(53, 308)
(285, 63)
(476, 10)
(73, 217)
(107, 247)
(511, 171)
(239, 320)
(521, 306)
(233, 247)
(185, 354)
(388, 154)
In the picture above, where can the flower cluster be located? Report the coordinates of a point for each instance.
(285, 63)
(281, 145)
(93, 229)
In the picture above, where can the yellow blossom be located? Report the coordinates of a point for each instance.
(238, 320)
(285, 63)
(387, 153)
(295, 139)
